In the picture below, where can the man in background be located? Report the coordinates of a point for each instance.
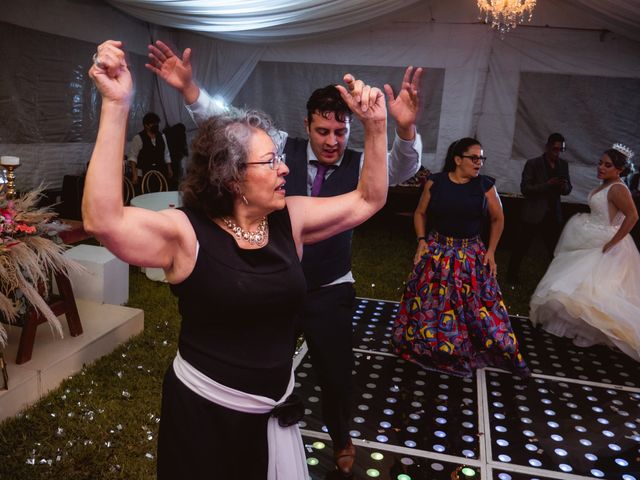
(148, 150)
(544, 180)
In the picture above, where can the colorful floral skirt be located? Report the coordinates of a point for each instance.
(452, 317)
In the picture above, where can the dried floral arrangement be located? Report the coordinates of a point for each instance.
(30, 251)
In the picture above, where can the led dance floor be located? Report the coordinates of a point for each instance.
(577, 418)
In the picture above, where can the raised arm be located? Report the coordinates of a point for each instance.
(621, 198)
(137, 236)
(315, 218)
(406, 152)
(178, 73)
(174, 70)
(420, 221)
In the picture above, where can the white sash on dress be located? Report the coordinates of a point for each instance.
(287, 460)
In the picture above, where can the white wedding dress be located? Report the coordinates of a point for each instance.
(587, 295)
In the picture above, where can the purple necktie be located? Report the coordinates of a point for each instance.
(319, 180)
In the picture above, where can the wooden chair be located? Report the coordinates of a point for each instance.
(128, 192)
(154, 181)
(64, 303)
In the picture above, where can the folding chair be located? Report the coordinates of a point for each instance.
(154, 181)
(128, 192)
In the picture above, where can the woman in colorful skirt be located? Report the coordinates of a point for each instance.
(452, 317)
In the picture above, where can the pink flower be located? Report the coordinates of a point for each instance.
(21, 227)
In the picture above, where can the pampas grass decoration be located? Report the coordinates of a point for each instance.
(30, 251)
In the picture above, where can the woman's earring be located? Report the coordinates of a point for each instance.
(244, 199)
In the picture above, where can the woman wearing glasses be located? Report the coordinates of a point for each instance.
(452, 317)
(231, 256)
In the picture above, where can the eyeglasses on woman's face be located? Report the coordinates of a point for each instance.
(477, 159)
(274, 162)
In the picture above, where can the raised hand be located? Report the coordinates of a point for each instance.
(111, 74)
(404, 107)
(174, 70)
(366, 102)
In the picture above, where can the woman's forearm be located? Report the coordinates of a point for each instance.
(626, 227)
(374, 178)
(419, 223)
(495, 232)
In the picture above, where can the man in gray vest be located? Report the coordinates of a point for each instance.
(322, 165)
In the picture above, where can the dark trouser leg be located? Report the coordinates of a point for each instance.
(523, 241)
(326, 323)
(550, 232)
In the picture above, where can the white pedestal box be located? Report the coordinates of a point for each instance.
(106, 279)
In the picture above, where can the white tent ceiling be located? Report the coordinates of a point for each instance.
(257, 21)
(576, 61)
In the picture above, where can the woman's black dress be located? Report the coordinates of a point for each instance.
(238, 308)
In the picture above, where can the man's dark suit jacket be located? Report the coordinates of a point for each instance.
(539, 196)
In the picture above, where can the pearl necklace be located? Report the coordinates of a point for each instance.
(258, 238)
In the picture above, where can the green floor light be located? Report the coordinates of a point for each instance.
(468, 472)
(403, 476)
(372, 472)
(377, 456)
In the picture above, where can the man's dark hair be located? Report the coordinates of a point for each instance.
(150, 118)
(555, 137)
(328, 100)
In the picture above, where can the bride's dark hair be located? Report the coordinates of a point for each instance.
(619, 160)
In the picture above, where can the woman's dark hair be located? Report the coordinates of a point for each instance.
(619, 160)
(218, 160)
(326, 100)
(457, 149)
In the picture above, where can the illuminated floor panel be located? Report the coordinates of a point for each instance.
(578, 418)
(376, 463)
(398, 403)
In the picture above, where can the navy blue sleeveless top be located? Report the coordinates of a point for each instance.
(238, 307)
(458, 210)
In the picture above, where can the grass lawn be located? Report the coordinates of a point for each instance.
(102, 423)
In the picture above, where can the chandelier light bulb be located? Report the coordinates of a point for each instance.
(504, 15)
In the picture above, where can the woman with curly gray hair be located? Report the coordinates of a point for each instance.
(231, 255)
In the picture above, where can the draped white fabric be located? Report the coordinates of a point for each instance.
(621, 16)
(487, 87)
(260, 21)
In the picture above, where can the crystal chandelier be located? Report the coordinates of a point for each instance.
(504, 15)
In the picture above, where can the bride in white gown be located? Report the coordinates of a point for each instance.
(591, 290)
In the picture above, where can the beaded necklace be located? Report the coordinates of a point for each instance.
(258, 238)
